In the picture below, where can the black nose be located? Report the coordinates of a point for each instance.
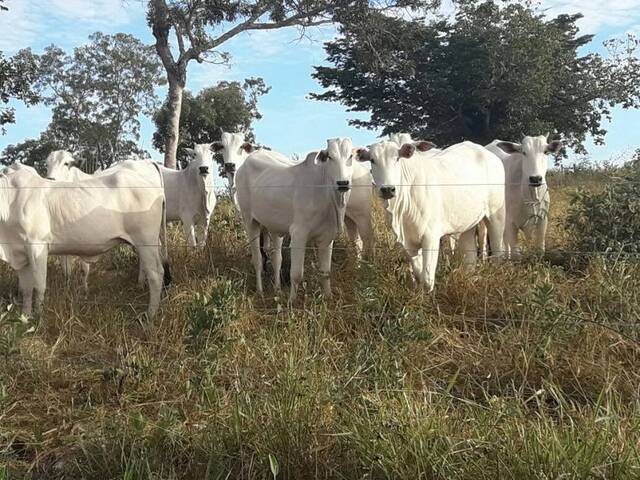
(535, 180)
(343, 185)
(204, 170)
(388, 192)
(230, 167)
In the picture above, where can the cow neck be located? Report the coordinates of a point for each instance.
(337, 200)
(535, 203)
(400, 209)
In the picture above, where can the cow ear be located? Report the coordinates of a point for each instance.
(248, 147)
(407, 150)
(554, 147)
(509, 147)
(363, 155)
(424, 146)
(190, 152)
(216, 146)
(322, 156)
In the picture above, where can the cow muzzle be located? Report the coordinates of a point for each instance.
(230, 167)
(204, 171)
(343, 185)
(387, 193)
(535, 181)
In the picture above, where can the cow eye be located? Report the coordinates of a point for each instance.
(66, 164)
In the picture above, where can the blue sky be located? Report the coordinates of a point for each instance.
(292, 123)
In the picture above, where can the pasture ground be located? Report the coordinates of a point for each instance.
(522, 370)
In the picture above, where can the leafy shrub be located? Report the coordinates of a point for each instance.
(212, 310)
(609, 220)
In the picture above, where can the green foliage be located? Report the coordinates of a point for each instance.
(230, 106)
(210, 311)
(97, 95)
(13, 326)
(16, 79)
(495, 71)
(609, 219)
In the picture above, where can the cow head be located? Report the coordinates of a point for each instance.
(401, 138)
(234, 149)
(201, 166)
(338, 161)
(534, 161)
(386, 165)
(60, 164)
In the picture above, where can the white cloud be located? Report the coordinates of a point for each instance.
(598, 15)
(37, 23)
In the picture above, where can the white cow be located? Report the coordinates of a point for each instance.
(190, 193)
(527, 193)
(429, 196)
(306, 200)
(39, 217)
(358, 220)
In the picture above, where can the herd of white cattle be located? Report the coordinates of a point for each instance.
(466, 193)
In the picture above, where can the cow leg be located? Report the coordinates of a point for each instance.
(276, 259)
(430, 251)
(324, 266)
(205, 231)
(253, 232)
(510, 240)
(86, 268)
(541, 234)
(482, 239)
(66, 264)
(467, 249)
(500, 234)
(26, 284)
(189, 231)
(365, 230)
(37, 255)
(151, 265)
(353, 235)
(415, 262)
(141, 276)
(298, 246)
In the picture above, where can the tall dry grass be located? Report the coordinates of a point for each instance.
(524, 369)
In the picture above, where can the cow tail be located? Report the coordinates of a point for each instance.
(166, 278)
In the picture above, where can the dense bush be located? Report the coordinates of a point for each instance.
(609, 219)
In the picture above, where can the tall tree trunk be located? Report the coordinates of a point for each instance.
(173, 133)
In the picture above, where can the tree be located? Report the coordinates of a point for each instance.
(491, 72)
(230, 106)
(97, 95)
(16, 78)
(192, 23)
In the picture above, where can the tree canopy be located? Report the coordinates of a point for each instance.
(200, 28)
(16, 78)
(97, 95)
(490, 72)
(230, 106)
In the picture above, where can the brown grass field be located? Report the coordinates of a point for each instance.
(525, 369)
